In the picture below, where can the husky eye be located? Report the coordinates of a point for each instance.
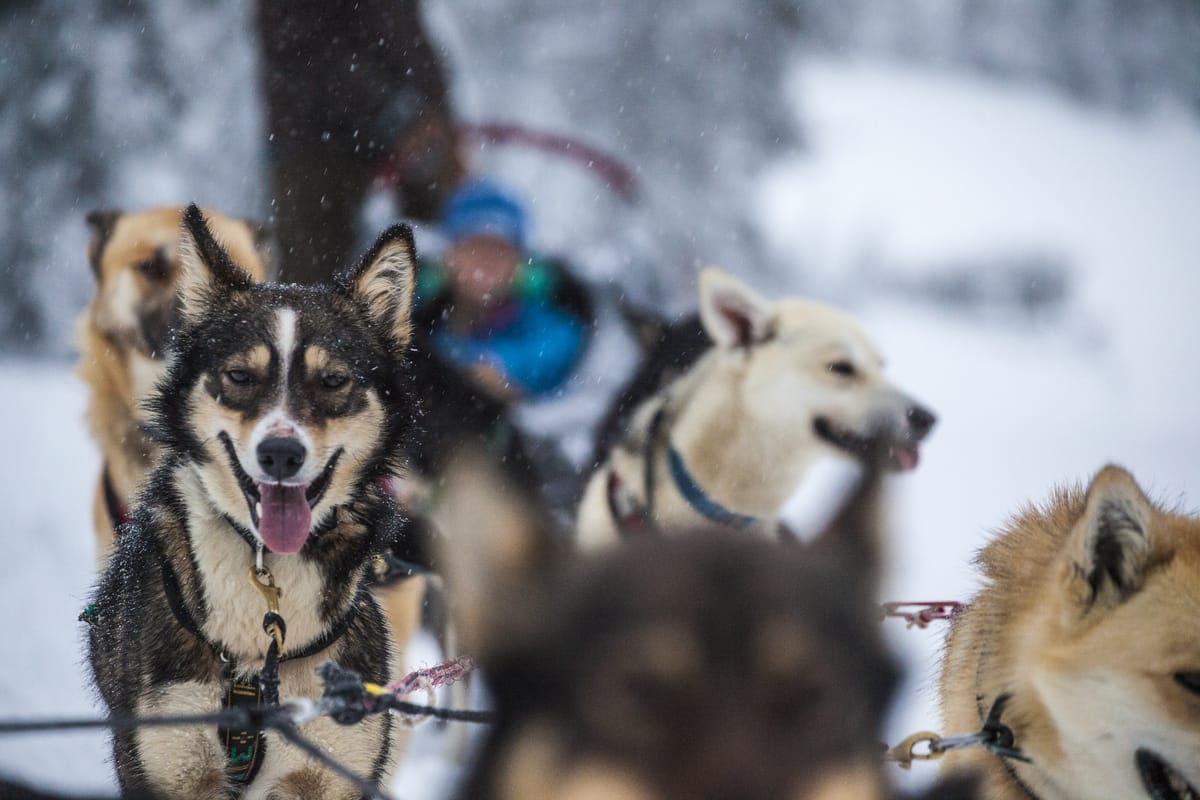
(154, 269)
(843, 368)
(1189, 681)
(334, 380)
(238, 377)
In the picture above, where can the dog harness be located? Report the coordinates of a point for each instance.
(118, 514)
(991, 720)
(700, 501)
(634, 517)
(1005, 748)
(245, 747)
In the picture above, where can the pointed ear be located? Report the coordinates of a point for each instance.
(102, 223)
(206, 270)
(1110, 547)
(734, 315)
(385, 279)
(495, 551)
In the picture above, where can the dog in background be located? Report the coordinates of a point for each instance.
(123, 333)
(1087, 625)
(727, 442)
(280, 419)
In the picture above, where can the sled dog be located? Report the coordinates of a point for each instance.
(728, 441)
(677, 667)
(280, 417)
(696, 667)
(122, 337)
(1086, 626)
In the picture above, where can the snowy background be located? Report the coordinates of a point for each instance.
(1006, 193)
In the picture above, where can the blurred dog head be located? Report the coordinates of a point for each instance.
(703, 667)
(135, 259)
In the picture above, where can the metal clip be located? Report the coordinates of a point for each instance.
(994, 737)
(269, 591)
(1000, 739)
(906, 752)
(920, 615)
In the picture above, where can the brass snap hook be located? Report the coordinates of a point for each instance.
(906, 752)
(269, 591)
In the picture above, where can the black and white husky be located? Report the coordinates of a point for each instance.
(282, 411)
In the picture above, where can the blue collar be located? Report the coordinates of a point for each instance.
(698, 500)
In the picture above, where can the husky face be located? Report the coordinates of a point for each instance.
(806, 374)
(1118, 673)
(287, 400)
(135, 259)
(662, 691)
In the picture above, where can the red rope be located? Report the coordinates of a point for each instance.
(439, 675)
(617, 176)
(921, 614)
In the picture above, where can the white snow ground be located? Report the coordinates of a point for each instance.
(908, 174)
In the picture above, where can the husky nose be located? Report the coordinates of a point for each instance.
(281, 456)
(920, 420)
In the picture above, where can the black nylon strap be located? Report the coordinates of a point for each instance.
(983, 717)
(184, 617)
(652, 433)
(268, 679)
(118, 514)
(175, 600)
(631, 518)
(245, 747)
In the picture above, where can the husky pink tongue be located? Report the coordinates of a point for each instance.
(906, 457)
(286, 517)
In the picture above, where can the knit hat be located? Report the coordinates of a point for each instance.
(483, 207)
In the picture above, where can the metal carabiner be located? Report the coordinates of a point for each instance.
(906, 752)
(269, 591)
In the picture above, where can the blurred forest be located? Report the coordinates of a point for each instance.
(129, 104)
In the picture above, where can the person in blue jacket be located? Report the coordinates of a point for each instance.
(515, 321)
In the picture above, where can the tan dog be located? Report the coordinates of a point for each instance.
(1089, 621)
(135, 259)
(726, 443)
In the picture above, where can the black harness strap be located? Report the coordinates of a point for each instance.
(175, 600)
(652, 434)
(633, 518)
(985, 715)
(1012, 773)
(118, 514)
(245, 746)
(185, 618)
